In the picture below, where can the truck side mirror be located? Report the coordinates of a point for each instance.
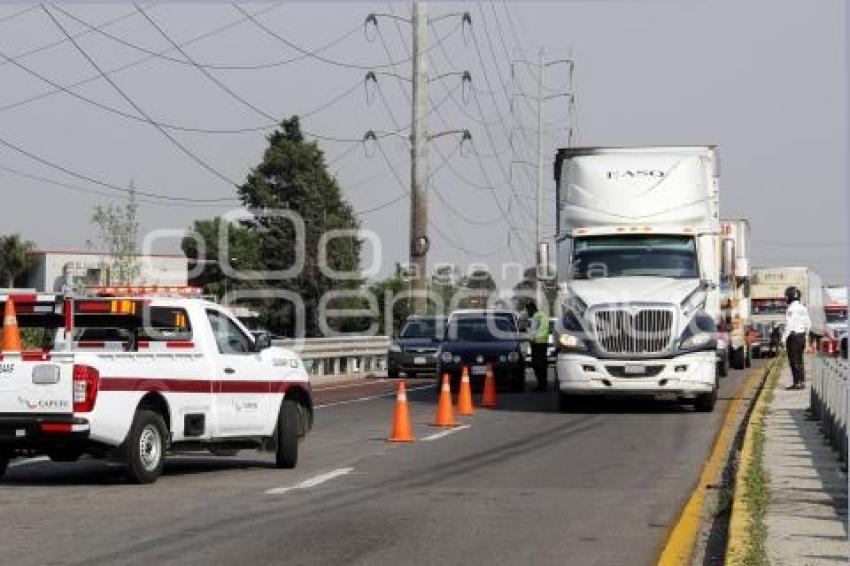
(262, 342)
(727, 263)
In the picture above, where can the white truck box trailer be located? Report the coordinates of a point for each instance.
(768, 296)
(735, 290)
(639, 272)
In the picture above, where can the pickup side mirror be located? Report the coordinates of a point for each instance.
(262, 342)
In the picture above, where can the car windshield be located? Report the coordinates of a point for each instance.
(635, 256)
(836, 317)
(482, 328)
(424, 328)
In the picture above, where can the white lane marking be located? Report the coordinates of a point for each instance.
(445, 433)
(362, 399)
(312, 482)
(359, 383)
(29, 461)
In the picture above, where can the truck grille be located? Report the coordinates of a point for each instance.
(644, 331)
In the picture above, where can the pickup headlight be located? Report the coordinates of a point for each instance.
(567, 341)
(446, 357)
(395, 347)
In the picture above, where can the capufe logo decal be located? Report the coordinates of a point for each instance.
(44, 404)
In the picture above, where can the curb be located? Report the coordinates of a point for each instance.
(739, 524)
(682, 537)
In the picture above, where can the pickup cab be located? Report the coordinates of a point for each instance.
(133, 378)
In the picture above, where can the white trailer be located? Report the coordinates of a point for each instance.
(835, 309)
(768, 296)
(639, 272)
(735, 290)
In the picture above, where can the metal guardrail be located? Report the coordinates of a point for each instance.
(350, 355)
(829, 401)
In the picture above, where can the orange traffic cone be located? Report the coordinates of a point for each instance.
(488, 398)
(445, 414)
(464, 398)
(401, 422)
(11, 333)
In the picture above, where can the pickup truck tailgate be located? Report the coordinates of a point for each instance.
(36, 384)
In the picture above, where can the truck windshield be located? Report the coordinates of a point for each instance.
(642, 255)
(835, 317)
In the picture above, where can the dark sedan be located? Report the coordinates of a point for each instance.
(480, 339)
(414, 350)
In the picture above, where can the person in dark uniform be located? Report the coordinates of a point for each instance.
(539, 330)
(797, 327)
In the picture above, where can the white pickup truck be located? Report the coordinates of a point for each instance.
(134, 378)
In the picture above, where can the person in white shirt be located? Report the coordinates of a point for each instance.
(797, 326)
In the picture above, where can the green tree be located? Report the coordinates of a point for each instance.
(524, 291)
(202, 247)
(477, 288)
(16, 258)
(118, 236)
(293, 176)
(392, 290)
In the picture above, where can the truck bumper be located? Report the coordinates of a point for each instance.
(684, 376)
(41, 432)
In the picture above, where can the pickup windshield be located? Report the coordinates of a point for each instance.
(635, 256)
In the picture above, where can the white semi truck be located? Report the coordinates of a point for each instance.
(735, 290)
(639, 250)
(835, 309)
(768, 298)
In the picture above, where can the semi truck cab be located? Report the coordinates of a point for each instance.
(639, 271)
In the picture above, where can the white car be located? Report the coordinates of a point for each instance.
(175, 374)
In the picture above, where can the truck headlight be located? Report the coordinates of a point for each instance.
(697, 340)
(567, 341)
(513, 357)
(446, 357)
(395, 347)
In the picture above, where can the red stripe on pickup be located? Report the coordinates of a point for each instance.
(193, 385)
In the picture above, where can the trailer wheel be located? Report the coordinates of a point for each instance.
(288, 426)
(145, 446)
(723, 366)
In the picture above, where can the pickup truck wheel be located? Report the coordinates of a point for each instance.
(4, 465)
(392, 373)
(286, 455)
(144, 449)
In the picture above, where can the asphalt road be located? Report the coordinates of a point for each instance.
(519, 484)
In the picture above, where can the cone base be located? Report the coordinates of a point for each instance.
(401, 440)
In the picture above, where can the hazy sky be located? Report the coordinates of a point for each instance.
(765, 80)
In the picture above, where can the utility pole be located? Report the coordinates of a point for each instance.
(419, 242)
(539, 239)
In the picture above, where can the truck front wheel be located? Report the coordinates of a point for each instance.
(739, 358)
(286, 455)
(705, 403)
(144, 449)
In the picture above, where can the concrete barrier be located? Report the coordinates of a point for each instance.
(829, 401)
(341, 356)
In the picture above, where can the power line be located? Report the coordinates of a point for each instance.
(87, 190)
(159, 128)
(85, 177)
(95, 77)
(213, 66)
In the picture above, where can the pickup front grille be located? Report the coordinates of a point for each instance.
(634, 331)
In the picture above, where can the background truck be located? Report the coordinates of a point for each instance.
(639, 272)
(735, 290)
(835, 310)
(768, 299)
(131, 378)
